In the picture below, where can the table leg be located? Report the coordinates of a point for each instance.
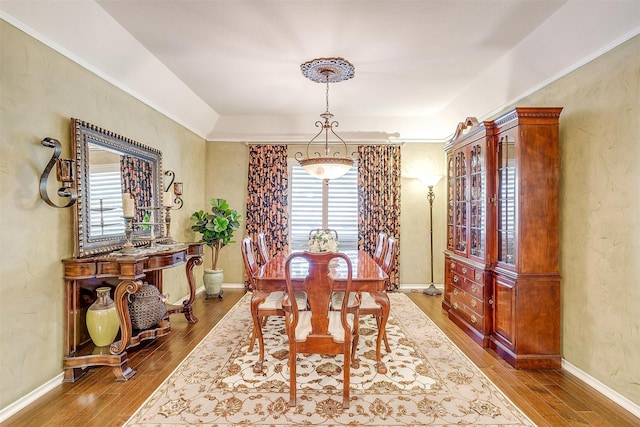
(381, 298)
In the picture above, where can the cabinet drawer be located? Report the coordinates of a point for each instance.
(469, 286)
(464, 270)
(168, 260)
(465, 312)
(469, 301)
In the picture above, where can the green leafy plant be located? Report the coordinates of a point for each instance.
(217, 227)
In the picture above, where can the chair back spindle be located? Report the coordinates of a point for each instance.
(262, 248)
(381, 247)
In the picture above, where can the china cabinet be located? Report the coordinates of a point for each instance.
(502, 282)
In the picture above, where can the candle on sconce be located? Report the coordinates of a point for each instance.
(167, 199)
(128, 205)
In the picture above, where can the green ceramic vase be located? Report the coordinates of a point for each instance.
(102, 319)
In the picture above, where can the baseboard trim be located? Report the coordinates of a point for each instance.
(418, 286)
(23, 402)
(616, 397)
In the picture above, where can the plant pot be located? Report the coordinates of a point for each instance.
(213, 283)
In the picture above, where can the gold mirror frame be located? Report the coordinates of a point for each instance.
(84, 134)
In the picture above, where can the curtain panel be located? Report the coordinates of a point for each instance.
(379, 200)
(267, 199)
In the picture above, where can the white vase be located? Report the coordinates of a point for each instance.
(213, 283)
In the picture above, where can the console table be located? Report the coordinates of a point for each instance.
(125, 274)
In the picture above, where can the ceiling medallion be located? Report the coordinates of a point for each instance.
(327, 165)
(336, 69)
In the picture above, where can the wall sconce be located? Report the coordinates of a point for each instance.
(177, 189)
(65, 173)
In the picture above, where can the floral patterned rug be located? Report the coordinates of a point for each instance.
(429, 381)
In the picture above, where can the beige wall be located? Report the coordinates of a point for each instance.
(600, 215)
(600, 254)
(40, 91)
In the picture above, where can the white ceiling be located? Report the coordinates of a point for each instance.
(229, 69)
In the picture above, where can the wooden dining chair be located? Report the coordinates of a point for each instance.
(263, 304)
(320, 330)
(381, 247)
(368, 304)
(262, 248)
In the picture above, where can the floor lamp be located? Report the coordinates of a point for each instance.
(430, 182)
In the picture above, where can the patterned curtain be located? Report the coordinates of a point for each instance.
(267, 199)
(136, 179)
(379, 201)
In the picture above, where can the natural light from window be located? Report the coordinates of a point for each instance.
(311, 206)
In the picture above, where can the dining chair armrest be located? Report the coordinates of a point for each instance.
(353, 306)
(286, 303)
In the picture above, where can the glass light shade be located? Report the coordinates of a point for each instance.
(327, 167)
(431, 180)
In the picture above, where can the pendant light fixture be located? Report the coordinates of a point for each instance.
(326, 165)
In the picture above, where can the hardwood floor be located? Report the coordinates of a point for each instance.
(549, 398)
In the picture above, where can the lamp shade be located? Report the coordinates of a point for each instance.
(327, 167)
(430, 180)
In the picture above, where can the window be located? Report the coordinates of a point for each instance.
(316, 204)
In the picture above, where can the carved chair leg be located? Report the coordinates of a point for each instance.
(252, 339)
(384, 335)
(292, 376)
(347, 377)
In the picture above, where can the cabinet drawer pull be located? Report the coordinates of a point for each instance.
(491, 301)
(473, 303)
(452, 265)
(478, 276)
(474, 288)
(455, 291)
(455, 279)
(455, 305)
(464, 270)
(473, 319)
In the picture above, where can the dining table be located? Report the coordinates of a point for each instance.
(367, 276)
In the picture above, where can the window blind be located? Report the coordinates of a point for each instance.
(308, 202)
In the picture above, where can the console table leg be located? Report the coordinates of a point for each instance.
(187, 309)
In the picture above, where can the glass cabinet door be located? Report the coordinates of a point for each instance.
(506, 200)
(477, 212)
(450, 186)
(460, 203)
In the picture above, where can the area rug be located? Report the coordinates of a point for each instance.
(429, 381)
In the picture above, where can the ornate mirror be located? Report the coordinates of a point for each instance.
(109, 165)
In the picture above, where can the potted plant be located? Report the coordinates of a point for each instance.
(217, 230)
